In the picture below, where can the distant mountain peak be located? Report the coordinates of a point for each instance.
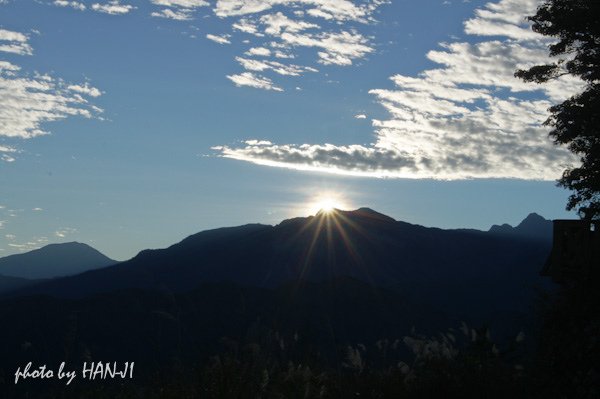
(533, 226)
(532, 218)
(54, 260)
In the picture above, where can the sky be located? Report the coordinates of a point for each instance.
(132, 124)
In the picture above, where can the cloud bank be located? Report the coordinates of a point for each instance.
(467, 118)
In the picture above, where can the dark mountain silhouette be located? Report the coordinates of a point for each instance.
(533, 227)
(54, 260)
(8, 284)
(464, 272)
(303, 291)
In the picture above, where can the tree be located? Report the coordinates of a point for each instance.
(576, 122)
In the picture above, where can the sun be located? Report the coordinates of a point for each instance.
(326, 203)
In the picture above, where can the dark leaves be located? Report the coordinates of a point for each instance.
(576, 122)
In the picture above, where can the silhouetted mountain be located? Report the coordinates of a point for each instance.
(8, 284)
(463, 272)
(303, 291)
(533, 227)
(54, 260)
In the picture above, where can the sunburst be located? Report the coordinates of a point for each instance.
(327, 203)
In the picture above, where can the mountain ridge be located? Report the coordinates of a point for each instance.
(418, 260)
(54, 260)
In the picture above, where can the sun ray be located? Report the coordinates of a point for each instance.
(326, 202)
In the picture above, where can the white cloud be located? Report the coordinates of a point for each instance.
(179, 10)
(315, 12)
(360, 116)
(277, 67)
(340, 10)
(29, 101)
(355, 160)
(5, 156)
(333, 44)
(34, 243)
(283, 54)
(181, 3)
(467, 118)
(278, 23)
(258, 142)
(223, 39)
(8, 68)
(338, 48)
(505, 18)
(253, 80)
(4, 148)
(326, 26)
(72, 4)
(113, 7)
(246, 26)
(85, 89)
(64, 232)
(259, 51)
(177, 15)
(14, 42)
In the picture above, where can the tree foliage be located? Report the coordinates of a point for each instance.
(576, 122)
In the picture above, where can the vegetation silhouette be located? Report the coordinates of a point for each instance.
(569, 349)
(575, 122)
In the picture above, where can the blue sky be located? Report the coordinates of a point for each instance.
(131, 124)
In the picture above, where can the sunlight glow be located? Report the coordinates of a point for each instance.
(326, 202)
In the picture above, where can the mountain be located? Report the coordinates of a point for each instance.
(54, 260)
(533, 227)
(8, 284)
(303, 291)
(464, 272)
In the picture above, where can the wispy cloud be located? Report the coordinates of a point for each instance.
(222, 39)
(468, 118)
(181, 3)
(72, 4)
(273, 29)
(277, 67)
(28, 101)
(177, 15)
(85, 89)
(252, 80)
(339, 10)
(6, 155)
(14, 42)
(64, 232)
(114, 7)
(324, 26)
(179, 10)
(503, 19)
(258, 52)
(26, 246)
